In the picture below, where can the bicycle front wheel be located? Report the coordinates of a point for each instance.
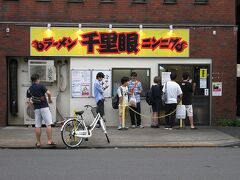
(68, 133)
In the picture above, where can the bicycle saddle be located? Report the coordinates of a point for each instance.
(79, 113)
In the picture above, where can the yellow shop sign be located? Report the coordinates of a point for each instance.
(58, 41)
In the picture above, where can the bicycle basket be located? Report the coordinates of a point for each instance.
(94, 111)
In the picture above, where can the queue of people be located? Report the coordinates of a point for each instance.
(173, 92)
(129, 91)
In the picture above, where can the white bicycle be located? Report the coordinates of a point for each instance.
(74, 129)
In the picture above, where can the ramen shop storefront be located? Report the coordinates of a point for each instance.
(117, 53)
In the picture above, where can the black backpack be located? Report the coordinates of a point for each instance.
(149, 97)
(115, 100)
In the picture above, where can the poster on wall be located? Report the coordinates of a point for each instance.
(165, 77)
(81, 83)
(203, 78)
(106, 82)
(217, 88)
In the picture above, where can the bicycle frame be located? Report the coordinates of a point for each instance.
(74, 130)
(87, 131)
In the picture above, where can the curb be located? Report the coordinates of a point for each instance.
(131, 147)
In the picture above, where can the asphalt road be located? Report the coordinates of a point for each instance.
(121, 164)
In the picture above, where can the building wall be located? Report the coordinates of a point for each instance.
(219, 16)
(124, 11)
(111, 115)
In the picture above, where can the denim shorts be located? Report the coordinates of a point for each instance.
(43, 114)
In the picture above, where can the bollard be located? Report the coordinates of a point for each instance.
(123, 116)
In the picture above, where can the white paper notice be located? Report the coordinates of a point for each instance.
(206, 92)
(203, 83)
(81, 83)
(165, 77)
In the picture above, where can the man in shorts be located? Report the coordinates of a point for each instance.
(36, 97)
(188, 89)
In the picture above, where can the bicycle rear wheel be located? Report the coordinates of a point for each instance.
(68, 133)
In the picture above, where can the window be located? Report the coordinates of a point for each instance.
(201, 1)
(170, 1)
(75, 1)
(143, 75)
(139, 1)
(106, 1)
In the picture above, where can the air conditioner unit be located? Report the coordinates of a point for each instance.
(29, 116)
(45, 69)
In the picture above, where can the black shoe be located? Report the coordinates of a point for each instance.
(152, 126)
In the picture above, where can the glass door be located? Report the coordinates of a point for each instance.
(200, 75)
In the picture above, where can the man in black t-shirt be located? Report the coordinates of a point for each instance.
(36, 97)
(188, 89)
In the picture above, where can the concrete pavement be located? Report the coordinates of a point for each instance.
(24, 137)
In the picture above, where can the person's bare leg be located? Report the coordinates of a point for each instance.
(191, 121)
(153, 122)
(154, 118)
(38, 135)
(49, 134)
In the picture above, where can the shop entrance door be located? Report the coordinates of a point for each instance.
(200, 75)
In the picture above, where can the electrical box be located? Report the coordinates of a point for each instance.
(44, 68)
(29, 115)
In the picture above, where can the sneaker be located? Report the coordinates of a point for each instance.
(125, 128)
(155, 126)
(133, 126)
(119, 128)
(168, 127)
(141, 126)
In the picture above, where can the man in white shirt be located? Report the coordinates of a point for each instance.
(174, 93)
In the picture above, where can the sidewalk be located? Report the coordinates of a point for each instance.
(24, 137)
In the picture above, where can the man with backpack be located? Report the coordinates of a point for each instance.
(36, 96)
(155, 96)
